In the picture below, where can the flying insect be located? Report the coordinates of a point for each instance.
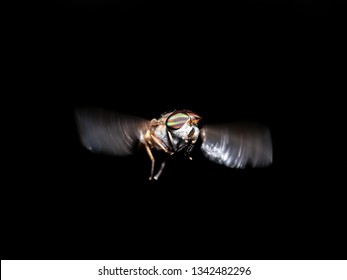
(235, 145)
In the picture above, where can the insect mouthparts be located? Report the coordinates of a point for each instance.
(191, 133)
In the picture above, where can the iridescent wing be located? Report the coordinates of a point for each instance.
(107, 132)
(237, 145)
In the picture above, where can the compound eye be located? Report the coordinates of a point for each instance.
(177, 120)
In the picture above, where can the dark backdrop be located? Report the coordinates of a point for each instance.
(257, 61)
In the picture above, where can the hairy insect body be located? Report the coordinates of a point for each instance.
(174, 132)
(172, 136)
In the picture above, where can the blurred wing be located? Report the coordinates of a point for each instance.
(106, 132)
(237, 145)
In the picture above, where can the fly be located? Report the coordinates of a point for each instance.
(234, 145)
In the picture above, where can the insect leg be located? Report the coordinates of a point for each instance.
(160, 170)
(159, 143)
(152, 159)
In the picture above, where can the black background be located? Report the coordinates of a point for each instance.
(257, 61)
